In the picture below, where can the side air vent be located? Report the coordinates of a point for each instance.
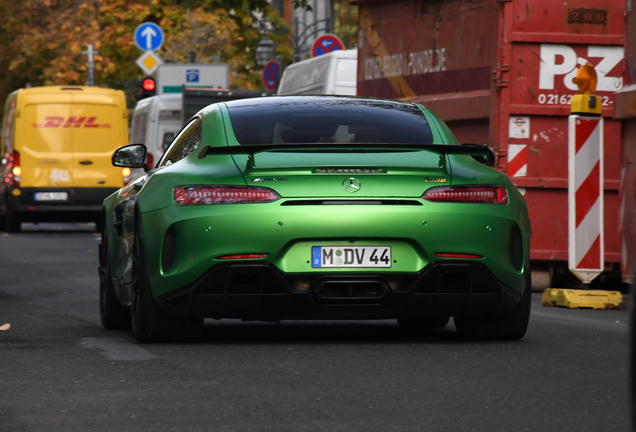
(516, 249)
(167, 251)
(349, 171)
(352, 202)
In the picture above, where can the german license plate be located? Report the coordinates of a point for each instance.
(51, 196)
(351, 256)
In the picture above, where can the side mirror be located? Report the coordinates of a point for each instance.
(488, 160)
(131, 156)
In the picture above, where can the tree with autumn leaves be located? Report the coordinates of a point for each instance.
(41, 41)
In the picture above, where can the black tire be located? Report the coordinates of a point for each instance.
(424, 323)
(99, 226)
(149, 323)
(510, 326)
(111, 312)
(13, 222)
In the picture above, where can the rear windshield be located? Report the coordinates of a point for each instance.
(330, 121)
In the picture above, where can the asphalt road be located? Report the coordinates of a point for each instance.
(61, 371)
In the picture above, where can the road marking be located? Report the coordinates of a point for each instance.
(118, 349)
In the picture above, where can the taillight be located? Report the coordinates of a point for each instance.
(193, 195)
(150, 160)
(126, 173)
(16, 171)
(468, 194)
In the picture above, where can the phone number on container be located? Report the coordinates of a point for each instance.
(555, 99)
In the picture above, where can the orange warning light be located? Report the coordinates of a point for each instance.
(586, 79)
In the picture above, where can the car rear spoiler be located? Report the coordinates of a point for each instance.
(442, 149)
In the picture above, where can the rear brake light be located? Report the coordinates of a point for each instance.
(16, 171)
(242, 256)
(150, 160)
(468, 194)
(193, 195)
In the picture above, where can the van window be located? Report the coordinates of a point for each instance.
(185, 143)
(170, 115)
(139, 128)
(167, 139)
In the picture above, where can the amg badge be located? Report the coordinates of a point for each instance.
(269, 179)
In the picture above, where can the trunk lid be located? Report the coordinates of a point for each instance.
(394, 174)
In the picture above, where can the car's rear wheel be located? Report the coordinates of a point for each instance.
(112, 313)
(423, 323)
(149, 323)
(510, 326)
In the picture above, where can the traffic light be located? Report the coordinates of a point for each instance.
(148, 85)
(148, 88)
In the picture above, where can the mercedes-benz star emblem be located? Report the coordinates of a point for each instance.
(351, 185)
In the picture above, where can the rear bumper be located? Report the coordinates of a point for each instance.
(258, 291)
(82, 204)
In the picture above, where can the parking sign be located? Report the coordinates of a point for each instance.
(192, 76)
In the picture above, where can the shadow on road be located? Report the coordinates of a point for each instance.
(386, 331)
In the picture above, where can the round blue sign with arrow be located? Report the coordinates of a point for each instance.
(270, 75)
(148, 37)
(326, 44)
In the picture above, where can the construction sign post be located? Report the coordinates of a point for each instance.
(586, 252)
(585, 190)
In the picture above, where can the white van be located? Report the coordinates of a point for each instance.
(156, 121)
(333, 73)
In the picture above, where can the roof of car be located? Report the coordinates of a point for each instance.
(313, 99)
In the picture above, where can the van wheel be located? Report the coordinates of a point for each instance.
(99, 226)
(13, 222)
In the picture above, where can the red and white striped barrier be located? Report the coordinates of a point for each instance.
(585, 195)
(517, 160)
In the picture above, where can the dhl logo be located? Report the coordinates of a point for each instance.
(71, 122)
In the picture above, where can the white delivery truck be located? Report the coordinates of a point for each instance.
(156, 121)
(333, 73)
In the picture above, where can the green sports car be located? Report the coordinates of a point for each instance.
(315, 207)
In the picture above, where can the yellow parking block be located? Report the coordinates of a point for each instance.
(592, 299)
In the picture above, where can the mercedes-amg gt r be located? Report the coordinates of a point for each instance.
(311, 208)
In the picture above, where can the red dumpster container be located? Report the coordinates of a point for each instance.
(625, 110)
(501, 72)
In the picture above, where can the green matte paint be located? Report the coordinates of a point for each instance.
(287, 233)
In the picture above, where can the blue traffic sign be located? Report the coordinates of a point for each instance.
(148, 37)
(326, 44)
(270, 75)
(192, 76)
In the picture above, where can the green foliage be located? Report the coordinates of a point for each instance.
(346, 22)
(302, 4)
(41, 41)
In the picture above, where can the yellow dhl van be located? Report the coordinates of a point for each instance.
(57, 144)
